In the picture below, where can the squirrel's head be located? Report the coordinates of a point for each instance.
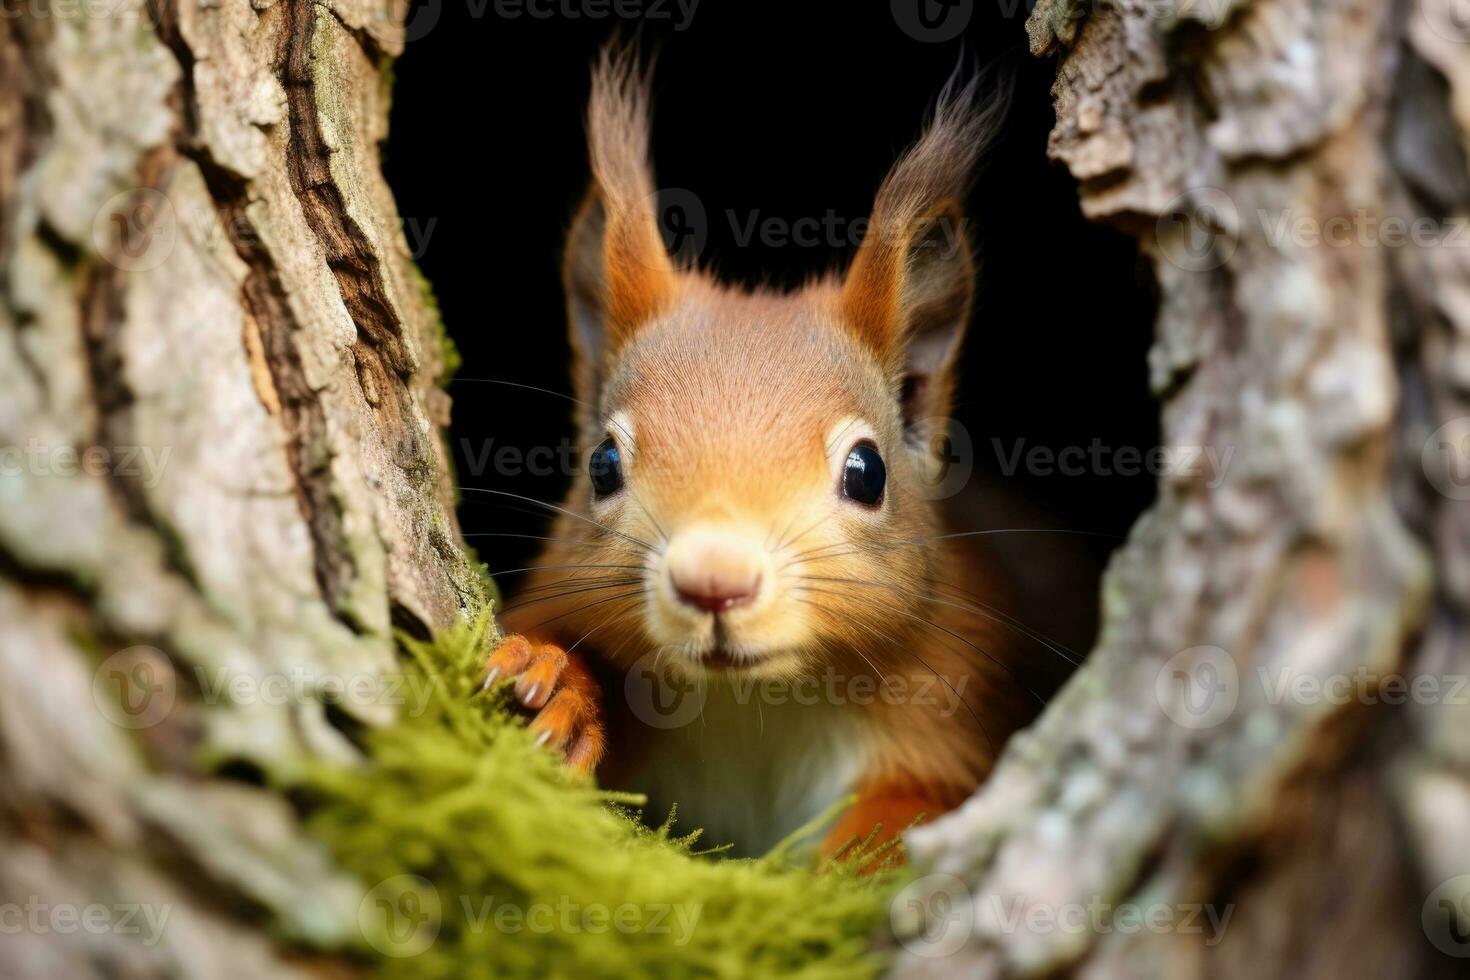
(764, 461)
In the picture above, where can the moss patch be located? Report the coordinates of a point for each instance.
(484, 858)
(450, 360)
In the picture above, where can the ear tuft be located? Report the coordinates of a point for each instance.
(618, 127)
(617, 271)
(909, 290)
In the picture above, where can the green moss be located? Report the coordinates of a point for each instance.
(488, 586)
(387, 80)
(449, 365)
(449, 356)
(484, 857)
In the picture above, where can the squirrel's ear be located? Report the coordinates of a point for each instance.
(618, 274)
(909, 291)
(908, 297)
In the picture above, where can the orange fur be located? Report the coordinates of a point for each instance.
(561, 689)
(882, 812)
(734, 411)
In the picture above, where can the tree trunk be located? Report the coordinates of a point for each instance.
(223, 461)
(1192, 768)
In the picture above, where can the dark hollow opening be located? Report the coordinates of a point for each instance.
(768, 114)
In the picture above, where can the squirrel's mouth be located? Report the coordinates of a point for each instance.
(720, 659)
(714, 645)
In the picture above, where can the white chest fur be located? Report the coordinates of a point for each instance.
(755, 763)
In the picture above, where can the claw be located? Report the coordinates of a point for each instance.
(509, 658)
(560, 690)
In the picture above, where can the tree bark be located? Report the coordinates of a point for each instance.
(224, 462)
(1175, 769)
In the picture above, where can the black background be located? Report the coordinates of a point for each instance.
(783, 110)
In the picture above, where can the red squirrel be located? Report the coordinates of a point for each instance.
(757, 512)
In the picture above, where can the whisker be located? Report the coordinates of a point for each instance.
(1018, 627)
(569, 592)
(602, 545)
(990, 742)
(772, 532)
(542, 568)
(563, 510)
(547, 587)
(592, 409)
(662, 534)
(515, 506)
(812, 554)
(989, 611)
(1022, 530)
(932, 625)
(597, 602)
(867, 659)
(616, 617)
(612, 656)
(786, 544)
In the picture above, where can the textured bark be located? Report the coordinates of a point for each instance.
(1324, 828)
(201, 261)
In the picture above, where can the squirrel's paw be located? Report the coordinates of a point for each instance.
(561, 690)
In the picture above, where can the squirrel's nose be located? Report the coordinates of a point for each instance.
(714, 571)
(716, 596)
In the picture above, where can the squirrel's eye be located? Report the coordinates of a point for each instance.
(606, 468)
(864, 474)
